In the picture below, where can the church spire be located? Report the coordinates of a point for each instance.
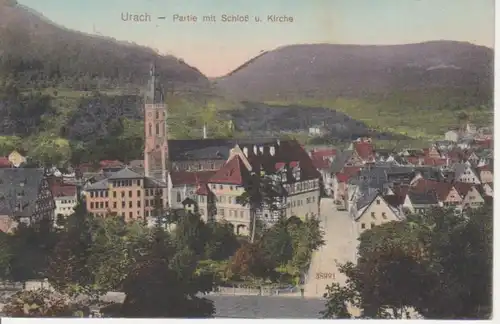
(155, 91)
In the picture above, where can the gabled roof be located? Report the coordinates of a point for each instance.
(365, 150)
(340, 160)
(441, 189)
(434, 161)
(232, 172)
(423, 198)
(125, 173)
(99, 185)
(289, 152)
(347, 173)
(190, 178)
(63, 190)
(394, 200)
(322, 158)
(463, 188)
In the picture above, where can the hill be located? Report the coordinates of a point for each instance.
(37, 52)
(326, 71)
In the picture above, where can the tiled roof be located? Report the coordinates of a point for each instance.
(190, 178)
(232, 172)
(394, 200)
(365, 150)
(4, 162)
(423, 198)
(62, 190)
(110, 163)
(463, 188)
(125, 173)
(441, 189)
(347, 173)
(322, 158)
(289, 152)
(19, 186)
(433, 161)
(340, 160)
(99, 185)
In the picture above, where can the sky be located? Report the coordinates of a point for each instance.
(217, 48)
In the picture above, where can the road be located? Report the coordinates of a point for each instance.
(340, 245)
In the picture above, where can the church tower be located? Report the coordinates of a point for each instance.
(156, 130)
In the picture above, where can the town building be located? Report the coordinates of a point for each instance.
(25, 196)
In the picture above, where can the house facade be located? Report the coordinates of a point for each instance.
(125, 193)
(372, 210)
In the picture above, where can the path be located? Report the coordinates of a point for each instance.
(340, 245)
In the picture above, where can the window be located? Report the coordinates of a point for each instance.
(363, 225)
(101, 204)
(372, 225)
(178, 197)
(221, 211)
(123, 204)
(114, 194)
(384, 216)
(138, 182)
(130, 194)
(106, 204)
(378, 201)
(146, 202)
(91, 205)
(138, 204)
(92, 194)
(373, 215)
(157, 129)
(129, 204)
(114, 204)
(123, 194)
(231, 188)
(220, 187)
(150, 129)
(130, 215)
(157, 114)
(242, 214)
(138, 193)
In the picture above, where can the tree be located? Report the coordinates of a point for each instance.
(68, 263)
(5, 256)
(222, 243)
(261, 192)
(438, 264)
(277, 241)
(163, 283)
(251, 261)
(192, 233)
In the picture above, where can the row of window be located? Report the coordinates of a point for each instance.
(102, 205)
(67, 201)
(298, 203)
(104, 193)
(126, 183)
(221, 187)
(374, 216)
(363, 225)
(302, 186)
(232, 213)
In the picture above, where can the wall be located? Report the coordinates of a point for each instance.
(376, 214)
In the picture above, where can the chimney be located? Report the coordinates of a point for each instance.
(204, 131)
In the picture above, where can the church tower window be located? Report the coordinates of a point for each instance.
(150, 127)
(157, 128)
(157, 114)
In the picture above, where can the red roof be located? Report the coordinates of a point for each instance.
(289, 152)
(364, 150)
(320, 163)
(347, 173)
(202, 190)
(62, 190)
(463, 188)
(442, 189)
(110, 163)
(415, 160)
(232, 172)
(190, 178)
(485, 167)
(433, 161)
(4, 162)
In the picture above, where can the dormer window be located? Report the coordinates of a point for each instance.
(296, 173)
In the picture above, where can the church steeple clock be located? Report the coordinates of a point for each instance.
(156, 129)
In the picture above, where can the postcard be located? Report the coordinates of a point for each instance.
(246, 159)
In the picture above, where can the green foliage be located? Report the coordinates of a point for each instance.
(438, 264)
(191, 233)
(252, 261)
(223, 243)
(164, 283)
(39, 303)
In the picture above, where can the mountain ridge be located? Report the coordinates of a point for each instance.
(329, 70)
